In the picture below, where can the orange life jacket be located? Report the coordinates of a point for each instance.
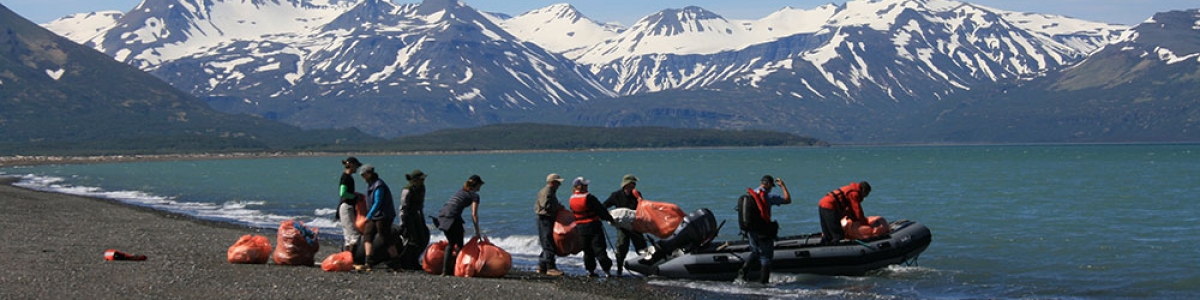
(579, 206)
(764, 208)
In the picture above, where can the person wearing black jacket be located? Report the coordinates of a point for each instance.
(626, 197)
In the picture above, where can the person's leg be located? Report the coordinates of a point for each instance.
(350, 234)
(753, 257)
(831, 226)
(767, 254)
(589, 252)
(369, 232)
(546, 261)
(600, 245)
(455, 238)
(623, 239)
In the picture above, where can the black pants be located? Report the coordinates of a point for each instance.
(624, 237)
(454, 235)
(546, 261)
(594, 246)
(831, 226)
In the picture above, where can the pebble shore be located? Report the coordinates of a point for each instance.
(53, 247)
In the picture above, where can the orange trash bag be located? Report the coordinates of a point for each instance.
(876, 226)
(296, 244)
(339, 262)
(567, 240)
(657, 218)
(360, 212)
(250, 249)
(434, 254)
(480, 258)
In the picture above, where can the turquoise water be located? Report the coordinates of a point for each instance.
(1078, 222)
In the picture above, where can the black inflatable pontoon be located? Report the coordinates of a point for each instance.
(721, 260)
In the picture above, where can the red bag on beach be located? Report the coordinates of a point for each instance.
(339, 262)
(480, 258)
(875, 226)
(360, 213)
(567, 240)
(657, 218)
(434, 255)
(250, 249)
(296, 244)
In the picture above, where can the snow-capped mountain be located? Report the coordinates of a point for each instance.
(559, 28)
(890, 46)
(385, 68)
(82, 27)
(1142, 87)
(392, 69)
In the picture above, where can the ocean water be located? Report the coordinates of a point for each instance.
(1029, 221)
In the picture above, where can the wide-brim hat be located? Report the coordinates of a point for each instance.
(416, 174)
(629, 178)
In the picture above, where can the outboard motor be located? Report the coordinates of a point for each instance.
(698, 228)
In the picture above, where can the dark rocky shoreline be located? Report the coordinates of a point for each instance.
(53, 246)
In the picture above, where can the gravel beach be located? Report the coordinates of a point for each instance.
(53, 246)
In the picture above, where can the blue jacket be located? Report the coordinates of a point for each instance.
(380, 205)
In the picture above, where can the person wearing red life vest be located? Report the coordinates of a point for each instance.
(588, 214)
(762, 236)
(842, 202)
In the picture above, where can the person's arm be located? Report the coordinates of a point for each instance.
(594, 205)
(378, 197)
(856, 205)
(787, 196)
(344, 192)
(611, 200)
(475, 217)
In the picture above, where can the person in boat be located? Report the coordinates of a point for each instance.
(346, 201)
(412, 220)
(546, 208)
(843, 202)
(755, 220)
(450, 220)
(381, 213)
(626, 197)
(588, 214)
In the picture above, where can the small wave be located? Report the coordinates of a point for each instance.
(231, 211)
(325, 211)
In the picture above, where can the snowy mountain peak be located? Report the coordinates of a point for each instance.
(559, 28)
(681, 21)
(429, 7)
(82, 27)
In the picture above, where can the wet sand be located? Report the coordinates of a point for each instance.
(53, 247)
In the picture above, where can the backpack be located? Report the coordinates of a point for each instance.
(750, 218)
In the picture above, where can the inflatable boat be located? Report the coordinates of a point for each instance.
(720, 260)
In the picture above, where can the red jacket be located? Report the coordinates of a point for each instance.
(847, 201)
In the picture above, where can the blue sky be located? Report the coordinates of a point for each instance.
(627, 12)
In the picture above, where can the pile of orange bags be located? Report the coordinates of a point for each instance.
(480, 258)
(875, 226)
(657, 218)
(567, 240)
(296, 244)
(250, 249)
(339, 262)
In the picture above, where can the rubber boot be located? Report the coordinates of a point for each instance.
(448, 262)
(766, 275)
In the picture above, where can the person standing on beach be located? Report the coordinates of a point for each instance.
(626, 197)
(450, 220)
(381, 213)
(546, 208)
(412, 220)
(347, 199)
(754, 219)
(588, 214)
